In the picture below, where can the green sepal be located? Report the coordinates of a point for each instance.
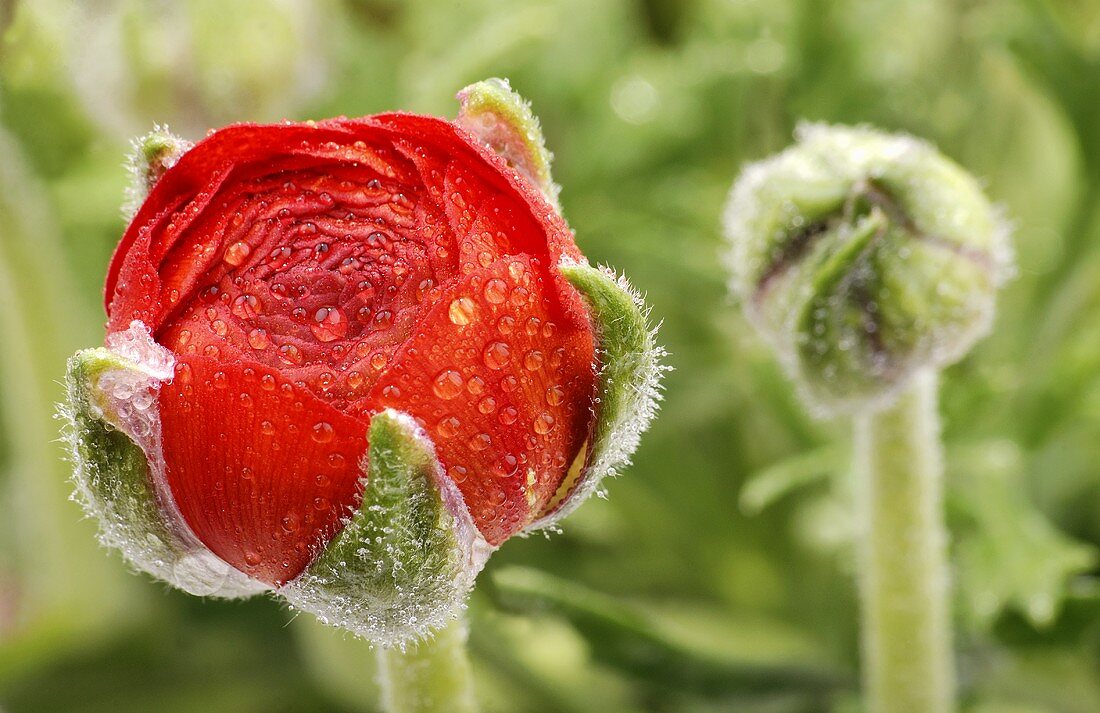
(114, 478)
(628, 387)
(150, 156)
(112, 473)
(404, 563)
(501, 118)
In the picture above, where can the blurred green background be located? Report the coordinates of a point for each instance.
(717, 576)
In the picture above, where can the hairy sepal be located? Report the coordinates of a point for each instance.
(406, 560)
(628, 384)
(150, 156)
(504, 121)
(114, 439)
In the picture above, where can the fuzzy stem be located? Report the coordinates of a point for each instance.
(907, 648)
(431, 676)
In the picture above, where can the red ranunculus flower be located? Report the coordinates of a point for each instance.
(283, 285)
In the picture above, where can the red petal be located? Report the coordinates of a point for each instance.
(501, 375)
(260, 469)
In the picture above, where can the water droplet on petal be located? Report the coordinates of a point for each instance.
(508, 415)
(247, 306)
(290, 355)
(506, 466)
(480, 442)
(384, 319)
(323, 432)
(462, 311)
(236, 253)
(497, 355)
(496, 291)
(448, 427)
(257, 339)
(329, 324)
(544, 423)
(447, 384)
(533, 360)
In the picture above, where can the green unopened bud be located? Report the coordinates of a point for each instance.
(502, 119)
(863, 257)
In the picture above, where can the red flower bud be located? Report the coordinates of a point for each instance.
(308, 276)
(355, 355)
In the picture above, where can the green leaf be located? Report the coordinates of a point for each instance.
(766, 486)
(405, 562)
(715, 657)
(1010, 557)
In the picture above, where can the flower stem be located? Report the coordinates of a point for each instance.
(908, 662)
(432, 676)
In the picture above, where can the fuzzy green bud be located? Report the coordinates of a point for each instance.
(863, 257)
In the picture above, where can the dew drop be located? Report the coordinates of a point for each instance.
(506, 466)
(506, 324)
(354, 379)
(290, 355)
(257, 339)
(219, 379)
(508, 415)
(487, 405)
(496, 291)
(533, 360)
(267, 428)
(448, 427)
(267, 382)
(329, 324)
(544, 423)
(247, 306)
(323, 432)
(462, 311)
(447, 384)
(480, 442)
(252, 558)
(236, 254)
(555, 395)
(496, 355)
(384, 319)
(457, 473)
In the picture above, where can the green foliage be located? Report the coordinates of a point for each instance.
(651, 107)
